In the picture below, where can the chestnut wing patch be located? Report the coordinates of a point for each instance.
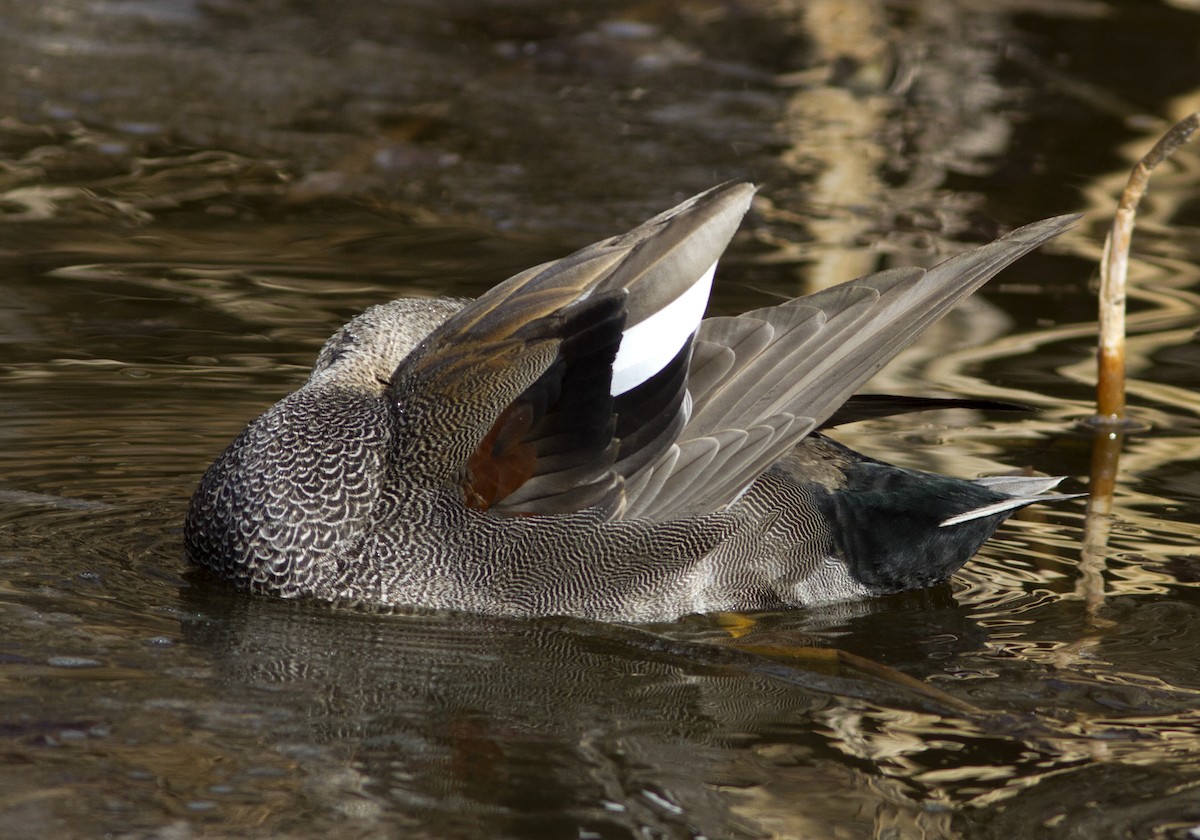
(552, 449)
(566, 443)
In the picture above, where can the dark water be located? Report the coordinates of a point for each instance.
(194, 195)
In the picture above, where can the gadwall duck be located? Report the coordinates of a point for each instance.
(581, 441)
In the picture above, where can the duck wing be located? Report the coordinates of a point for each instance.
(591, 382)
(541, 396)
(761, 381)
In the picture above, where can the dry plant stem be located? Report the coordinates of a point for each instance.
(1114, 266)
(1110, 384)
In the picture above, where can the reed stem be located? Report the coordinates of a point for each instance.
(1114, 269)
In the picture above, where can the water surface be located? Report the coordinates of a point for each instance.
(193, 196)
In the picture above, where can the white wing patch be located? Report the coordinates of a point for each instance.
(647, 347)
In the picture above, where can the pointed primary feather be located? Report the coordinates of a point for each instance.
(805, 358)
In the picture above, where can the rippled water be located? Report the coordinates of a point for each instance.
(170, 262)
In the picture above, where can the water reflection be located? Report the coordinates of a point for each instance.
(549, 727)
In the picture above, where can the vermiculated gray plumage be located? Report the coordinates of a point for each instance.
(479, 455)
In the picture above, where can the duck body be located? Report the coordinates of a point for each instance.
(578, 442)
